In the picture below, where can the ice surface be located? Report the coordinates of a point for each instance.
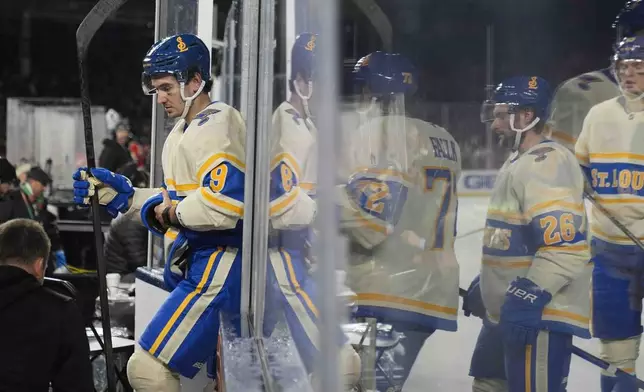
(443, 363)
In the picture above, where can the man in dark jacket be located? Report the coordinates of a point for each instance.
(42, 334)
(126, 247)
(8, 177)
(115, 152)
(28, 202)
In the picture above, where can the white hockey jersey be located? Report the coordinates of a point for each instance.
(398, 276)
(293, 169)
(203, 169)
(536, 228)
(611, 151)
(572, 101)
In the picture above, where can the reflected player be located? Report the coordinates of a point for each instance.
(399, 209)
(574, 98)
(614, 168)
(293, 209)
(535, 270)
(199, 212)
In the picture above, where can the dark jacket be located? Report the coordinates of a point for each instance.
(42, 336)
(126, 247)
(113, 156)
(13, 206)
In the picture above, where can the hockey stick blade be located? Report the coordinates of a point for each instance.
(84, 35)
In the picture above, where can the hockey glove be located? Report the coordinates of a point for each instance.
(473, 301)
(522, 310)
(114, 190)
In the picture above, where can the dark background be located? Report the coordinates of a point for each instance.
(556, 39)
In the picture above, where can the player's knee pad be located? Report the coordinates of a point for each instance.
(489, 385)
(147, 374)
(621, 353)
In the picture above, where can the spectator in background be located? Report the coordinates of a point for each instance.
(8, 179)
(115, 152)
(42, 333)
(22, 170)
(126, 247)
(28, 202)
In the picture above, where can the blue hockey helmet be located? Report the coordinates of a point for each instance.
(523, 92)
(630, 48)
(385, 73)
(518, 93)
(303, 64)
(629, 54)
(630, 19)
(303, 56)
(177, 55)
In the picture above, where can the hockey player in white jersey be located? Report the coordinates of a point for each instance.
(611, 150)
(199, 212)
(399, 211)
(535, 271)
(574, 98)
(292, 211)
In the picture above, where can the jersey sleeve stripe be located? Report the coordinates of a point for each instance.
(567, 315)
(540, 208)
(215, 160)
(566, 247)
(284, 202)
(390, 299)
(611, 156)
(172, 185)
(219, 201)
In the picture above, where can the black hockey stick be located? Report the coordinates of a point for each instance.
(585, 355)
(86, 31)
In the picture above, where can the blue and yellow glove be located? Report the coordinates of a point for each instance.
(522, 311)
(114, 190)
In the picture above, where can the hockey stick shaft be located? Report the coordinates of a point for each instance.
(86, 31)
(585, 355)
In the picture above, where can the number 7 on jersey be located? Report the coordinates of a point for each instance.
(434, 176)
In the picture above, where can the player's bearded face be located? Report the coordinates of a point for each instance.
(631, 76)
(501, 123)
(168, 95)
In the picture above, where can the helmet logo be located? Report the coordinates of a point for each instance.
(407, 78)
(181, 45)
(533, 84)
(311, 44)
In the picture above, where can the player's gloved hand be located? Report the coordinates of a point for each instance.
(473, 301)
(522, 310)
(114, 190)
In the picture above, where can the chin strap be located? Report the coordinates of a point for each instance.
(188, 101)
(305, 98)
(519, 132)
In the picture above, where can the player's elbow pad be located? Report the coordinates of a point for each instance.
(149, 217)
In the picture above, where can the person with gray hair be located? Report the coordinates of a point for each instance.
(42, 333)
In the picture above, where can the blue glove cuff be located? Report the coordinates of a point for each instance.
(149, 218)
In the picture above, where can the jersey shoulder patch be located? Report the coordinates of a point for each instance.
(541, 153)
